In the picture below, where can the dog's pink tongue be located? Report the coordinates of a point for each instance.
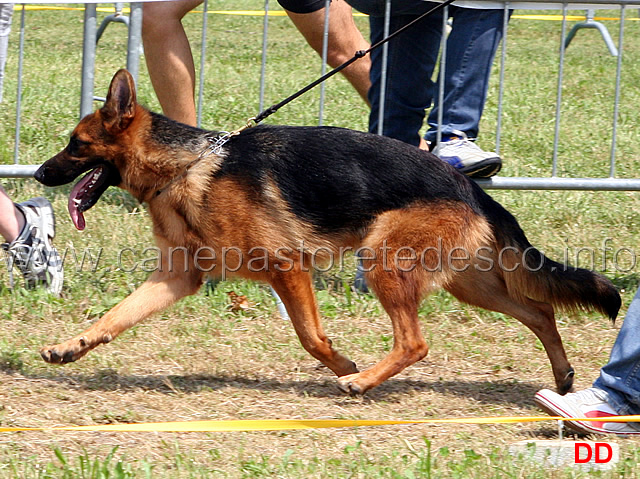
(74, 200)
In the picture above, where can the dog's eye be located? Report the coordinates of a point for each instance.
(75, 146)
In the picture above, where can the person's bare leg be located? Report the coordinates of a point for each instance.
(344, 41)
(11, 218)
(169, 58)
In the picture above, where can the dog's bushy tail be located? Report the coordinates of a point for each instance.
(531, 274)
(528, 273)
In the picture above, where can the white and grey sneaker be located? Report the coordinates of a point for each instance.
(588, 403)
(32, 251)
(463, 154)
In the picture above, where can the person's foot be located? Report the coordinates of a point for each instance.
(463, 154)
(32, 251)
(589, 403)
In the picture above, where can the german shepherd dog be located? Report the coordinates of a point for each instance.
(268, 201)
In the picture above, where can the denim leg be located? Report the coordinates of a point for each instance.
(620, 377)
(471, 47)
(412, 56)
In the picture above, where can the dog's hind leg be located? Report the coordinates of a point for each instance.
(404, 254)
(487, 290)
(296, 291)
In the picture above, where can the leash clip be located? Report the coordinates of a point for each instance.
(252, 119)
(250, 123)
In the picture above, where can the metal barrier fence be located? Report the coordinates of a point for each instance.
(552, 182)
(91, 35)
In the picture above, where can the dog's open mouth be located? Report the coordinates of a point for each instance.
(86, 193)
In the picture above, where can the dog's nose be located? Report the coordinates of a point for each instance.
(40, 173)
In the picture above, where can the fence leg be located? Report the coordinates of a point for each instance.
(6, 13)
(88, 60)
(134, 40)
(591, 23)
(16, 146)
(117, 17)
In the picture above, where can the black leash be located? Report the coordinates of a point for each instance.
(359, 54)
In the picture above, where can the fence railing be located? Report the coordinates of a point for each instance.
(555, 182)
(552, 182)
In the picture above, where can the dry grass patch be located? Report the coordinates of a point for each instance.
(250, 366)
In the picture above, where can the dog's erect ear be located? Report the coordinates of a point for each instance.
(120, 108)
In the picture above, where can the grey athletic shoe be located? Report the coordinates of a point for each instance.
(32, 251)
(462, 153)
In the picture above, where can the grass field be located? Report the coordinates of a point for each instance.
(200, 360)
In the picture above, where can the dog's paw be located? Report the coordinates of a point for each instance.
(66, 352)
(565, 385)
(349, 384)
(55, 355)
(349, 368)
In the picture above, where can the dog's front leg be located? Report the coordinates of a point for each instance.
(296, 291)
(158, 292)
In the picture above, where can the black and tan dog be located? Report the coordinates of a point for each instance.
(271, 200)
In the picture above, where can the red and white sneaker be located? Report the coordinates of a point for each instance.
(589, 403)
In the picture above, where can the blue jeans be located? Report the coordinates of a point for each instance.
(620, 377)
(412, 57)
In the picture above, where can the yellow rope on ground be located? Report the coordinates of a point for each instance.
(298, 424)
